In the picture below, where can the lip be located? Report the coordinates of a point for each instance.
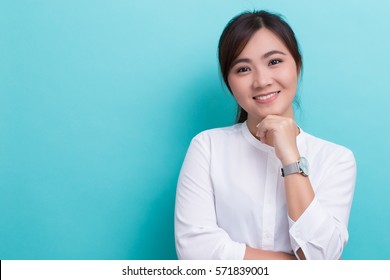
(266, 97)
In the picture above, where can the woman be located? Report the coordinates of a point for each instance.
(245, 191)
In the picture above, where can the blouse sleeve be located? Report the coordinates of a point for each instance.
(321, 231)
(197, 234)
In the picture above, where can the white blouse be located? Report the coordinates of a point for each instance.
(231, 193)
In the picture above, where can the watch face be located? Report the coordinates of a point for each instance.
(304, 165)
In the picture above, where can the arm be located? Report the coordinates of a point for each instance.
(197, 234)
(328, 213)
(281, 133)
(317, 221)
(258, 254)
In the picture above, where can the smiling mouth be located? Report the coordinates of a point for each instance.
(266, 97)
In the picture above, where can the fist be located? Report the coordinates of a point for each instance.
(280, 133)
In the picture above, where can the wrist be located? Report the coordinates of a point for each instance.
(301, 166)
(291, 158)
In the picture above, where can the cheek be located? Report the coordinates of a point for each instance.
(289, 78)
(237, 86)
(232, 85)
(231, 82)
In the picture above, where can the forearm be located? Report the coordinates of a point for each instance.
(258, 254)
(299, 194)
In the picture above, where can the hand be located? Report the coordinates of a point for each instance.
(281, 133)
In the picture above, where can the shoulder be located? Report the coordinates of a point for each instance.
(327, 150)
(207, 142)
(332, 165)
(218, 134)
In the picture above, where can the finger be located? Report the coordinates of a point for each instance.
(262, 134)
(264, 126)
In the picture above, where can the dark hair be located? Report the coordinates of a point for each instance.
(240, 30)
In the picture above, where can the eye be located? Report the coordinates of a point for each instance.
(243, 69)
(274, 61)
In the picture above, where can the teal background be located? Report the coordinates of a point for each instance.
(99, 101)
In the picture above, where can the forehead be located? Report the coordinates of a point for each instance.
(263, 41)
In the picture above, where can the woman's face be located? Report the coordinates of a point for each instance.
(263, 78)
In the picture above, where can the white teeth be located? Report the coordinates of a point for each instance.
(264, 97)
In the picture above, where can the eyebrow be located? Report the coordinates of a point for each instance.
(266, 55)
(247, 60)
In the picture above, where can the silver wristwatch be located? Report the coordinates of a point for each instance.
(301, 166)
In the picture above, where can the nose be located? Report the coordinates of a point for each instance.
(261, 78)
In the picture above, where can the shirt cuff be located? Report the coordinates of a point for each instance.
(234, 251)
(306, 228)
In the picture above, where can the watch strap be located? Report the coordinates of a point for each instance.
(291, 169)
